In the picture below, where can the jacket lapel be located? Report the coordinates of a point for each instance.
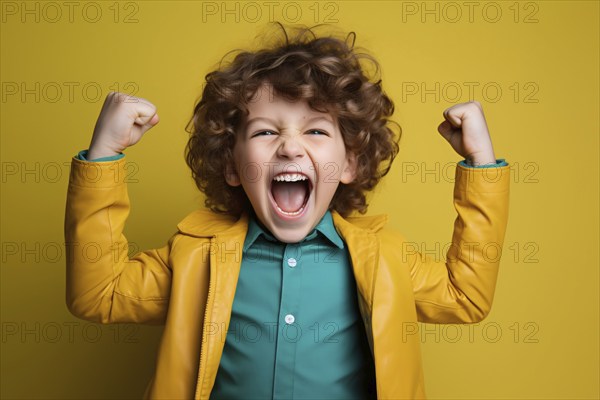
(363, 246)
(227, 237)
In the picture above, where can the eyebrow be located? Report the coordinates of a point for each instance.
(310, 120)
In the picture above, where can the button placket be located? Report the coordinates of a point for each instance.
(285, 362)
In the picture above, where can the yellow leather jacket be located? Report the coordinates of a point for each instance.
(189, 284)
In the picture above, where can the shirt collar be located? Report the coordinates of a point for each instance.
(325, 227)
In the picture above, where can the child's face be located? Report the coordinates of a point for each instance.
(282, 137)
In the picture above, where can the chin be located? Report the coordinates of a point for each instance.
(291, 235)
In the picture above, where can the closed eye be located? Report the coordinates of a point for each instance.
(316, 132)
(264, 133)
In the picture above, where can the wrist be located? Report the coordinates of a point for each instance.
(102, 148)
(99, 152)
(479, 164)
(481, 160)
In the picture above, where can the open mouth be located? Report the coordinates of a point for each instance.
(290, 192)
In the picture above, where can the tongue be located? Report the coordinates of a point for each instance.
(289, 196)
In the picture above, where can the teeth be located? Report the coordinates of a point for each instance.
(290, 213)
(293, 177)
(290, 178)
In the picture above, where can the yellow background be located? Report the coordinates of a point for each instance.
(541, 338)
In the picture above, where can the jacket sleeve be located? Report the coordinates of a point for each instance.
(102, 283)
(460, 288)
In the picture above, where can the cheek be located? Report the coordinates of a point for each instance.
(240, 158)
(251, 173)
(251, 154)
(330, 173)
(333, 163)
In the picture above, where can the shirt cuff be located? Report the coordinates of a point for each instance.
(82, 155)
(500, 162)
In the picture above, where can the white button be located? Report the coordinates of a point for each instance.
(292, 262)
(289, 319)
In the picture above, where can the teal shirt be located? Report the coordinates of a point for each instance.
(295, 329)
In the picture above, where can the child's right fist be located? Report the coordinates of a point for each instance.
(122, 122)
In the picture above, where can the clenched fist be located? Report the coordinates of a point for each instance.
(122, 122)
(466, 131)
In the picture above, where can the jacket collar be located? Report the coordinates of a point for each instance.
(357, 232)
(206, 223)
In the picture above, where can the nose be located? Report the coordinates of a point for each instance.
(290, 149)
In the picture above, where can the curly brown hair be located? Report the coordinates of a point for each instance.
(324, 71)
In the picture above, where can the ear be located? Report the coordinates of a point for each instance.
(349, 171)
(231, 176)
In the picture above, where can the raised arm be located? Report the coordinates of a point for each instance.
(103, 284)
(460, 288)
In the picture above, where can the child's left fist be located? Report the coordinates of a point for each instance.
(466, 131)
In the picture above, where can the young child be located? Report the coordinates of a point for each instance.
(275, 290)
